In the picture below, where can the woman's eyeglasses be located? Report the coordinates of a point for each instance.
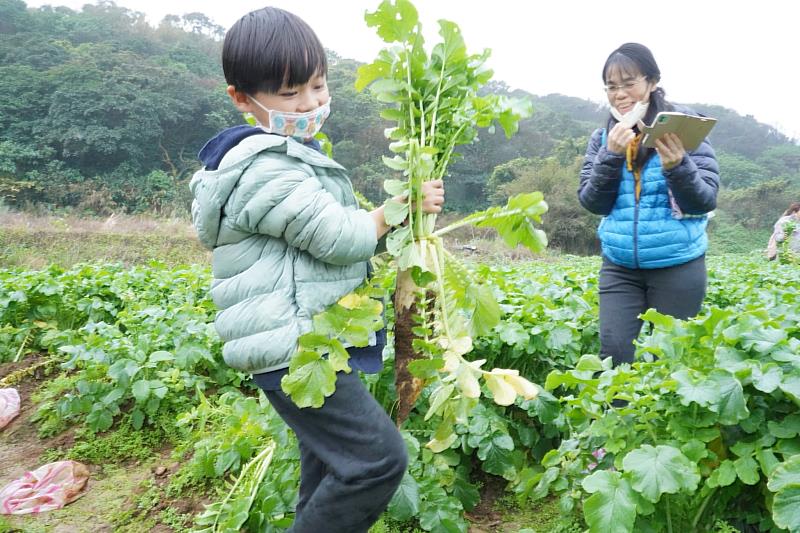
(627, 86)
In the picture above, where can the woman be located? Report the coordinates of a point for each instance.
(655, 204)
(790, 217)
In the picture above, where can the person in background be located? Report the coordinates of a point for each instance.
(654, 204)
(289, 240)
(790, 217)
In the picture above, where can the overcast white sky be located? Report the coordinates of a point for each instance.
(742, 57)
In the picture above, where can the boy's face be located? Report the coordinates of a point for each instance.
(297, 99)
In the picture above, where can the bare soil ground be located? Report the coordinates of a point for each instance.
(111, 490)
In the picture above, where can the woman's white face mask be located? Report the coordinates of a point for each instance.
(300, 125)
(632, 117)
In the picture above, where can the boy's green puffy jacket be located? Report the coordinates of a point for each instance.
(288, 240)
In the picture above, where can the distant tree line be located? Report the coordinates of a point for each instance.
(104, 113)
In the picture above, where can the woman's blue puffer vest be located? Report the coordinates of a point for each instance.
(646, 234)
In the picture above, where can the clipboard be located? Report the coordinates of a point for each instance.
(690, 129)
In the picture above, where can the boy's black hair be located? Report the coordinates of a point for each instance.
(268, 48)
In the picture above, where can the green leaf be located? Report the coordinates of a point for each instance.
(788, 447)
(137, 419)
(612, 507)
(398, 240)
(422, 278)
(791, 387)
(787, 428)
(452, 48)
(659, 470)
(514, 221)
(543, 486)
(425, 368)
(487, 312)
(786, 508)
(694, 450)
(743, 448)
(440, 512)
(366, 74)
(437, 399)
(747, 470)
(152, 405)
(664, 322)
(394, 22)
(691, 389)
(438, 444)
(559, 338)
(311, 341)
(338, 356)
(157, 388)
(785, 474)
(466, 492)
(752, 333)
(395, 187)
(589, 362)
(395, 163)
(405, 502)
(723, 475)
(731, 359)
(100, 419)
(767, 378)
(496, 455)
(761, 339)
(557, 378)
(730, 404)
(310, 380)
(781, 430)
(395, 212)
(157, 357)
(767, 460)
(512, 333)
(113, 396)
(141, 390)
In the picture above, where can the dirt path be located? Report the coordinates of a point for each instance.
(109, 490)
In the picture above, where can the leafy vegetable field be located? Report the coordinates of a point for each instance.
(704, 434)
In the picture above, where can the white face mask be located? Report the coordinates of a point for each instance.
(632, 117)
(301, 125)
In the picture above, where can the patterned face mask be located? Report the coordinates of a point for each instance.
(300, 125)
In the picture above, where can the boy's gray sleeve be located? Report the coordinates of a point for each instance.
(296, 207)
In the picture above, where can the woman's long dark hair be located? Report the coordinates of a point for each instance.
(794, 207)
(635, 58)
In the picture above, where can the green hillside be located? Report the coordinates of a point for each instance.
(103, 113)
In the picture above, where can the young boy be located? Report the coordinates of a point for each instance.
(288, 240)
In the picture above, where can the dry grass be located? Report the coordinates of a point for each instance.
(33, 242)
(115, 224)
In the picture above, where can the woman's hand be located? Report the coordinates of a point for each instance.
(670, 148)
(433, 196)
(619, 138)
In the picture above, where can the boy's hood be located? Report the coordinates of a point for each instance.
(225, 157)
(215, 149)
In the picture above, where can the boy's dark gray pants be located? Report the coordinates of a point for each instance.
(626, 293)
(352, 458)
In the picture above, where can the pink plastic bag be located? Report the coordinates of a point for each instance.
(9, 406)
(51, 486)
